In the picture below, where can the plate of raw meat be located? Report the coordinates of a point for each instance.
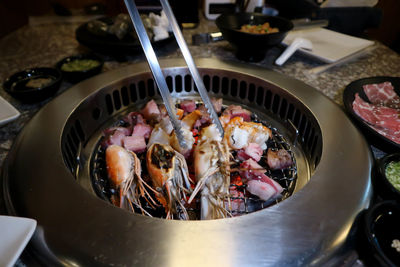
(374, 104)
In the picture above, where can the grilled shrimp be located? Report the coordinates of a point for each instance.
(212, 172)
(170, 176)
(239, 134)
(124, 170)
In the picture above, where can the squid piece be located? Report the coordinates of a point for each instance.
(212, 172)
(239, 133)
(187, 125)
(170, 176)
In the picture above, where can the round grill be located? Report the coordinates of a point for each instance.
(49, 175)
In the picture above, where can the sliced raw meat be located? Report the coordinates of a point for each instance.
(382, 94)
(379, 116)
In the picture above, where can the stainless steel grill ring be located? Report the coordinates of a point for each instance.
(46, 176)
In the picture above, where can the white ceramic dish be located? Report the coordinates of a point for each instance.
(328, 46)
(15, 232)
(7, 112)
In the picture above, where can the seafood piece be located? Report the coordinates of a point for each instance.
(212, 173)
(253, 151)
(217, 104)
(279, 159)
(259, 183)
(264, 190)
(124, 171)
(239, 134)
(158, 135)
(189, 140)
(187, 125)
(236, 204)
(166, 124)
(170, 176)
(164, 113)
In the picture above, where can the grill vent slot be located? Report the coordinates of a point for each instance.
(142, 89)
(188, 83)
(125, 96)
(72, 146)
(109, 104)
(206, 81)
(178, 84)
(243, 90)
(225, 86)
(150, 87)
(215, 84)
(117, 100)
(252, 92)
(133, 90)
(234, 87)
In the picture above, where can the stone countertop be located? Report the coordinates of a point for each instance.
(45, 45)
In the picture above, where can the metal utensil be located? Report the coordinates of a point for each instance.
(155, 69)
(191, 65)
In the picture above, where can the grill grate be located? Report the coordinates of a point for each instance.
(244, 205)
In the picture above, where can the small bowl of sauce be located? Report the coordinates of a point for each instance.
(379, 238)
(80, 67)
(388, 177)
(33, 85)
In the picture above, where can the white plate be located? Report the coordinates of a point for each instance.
(15, 232)
(328, 46)
(7, 112)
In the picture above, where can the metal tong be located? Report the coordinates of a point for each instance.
(157, 72)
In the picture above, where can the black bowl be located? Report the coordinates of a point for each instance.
(379, 227)
(33, 85)
(250, 46)
(374, 138)
(385, 189)
(79, 75)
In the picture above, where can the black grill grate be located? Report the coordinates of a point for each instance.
(286, 178)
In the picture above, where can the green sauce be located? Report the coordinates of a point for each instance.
(392, 173)
(80, 65)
